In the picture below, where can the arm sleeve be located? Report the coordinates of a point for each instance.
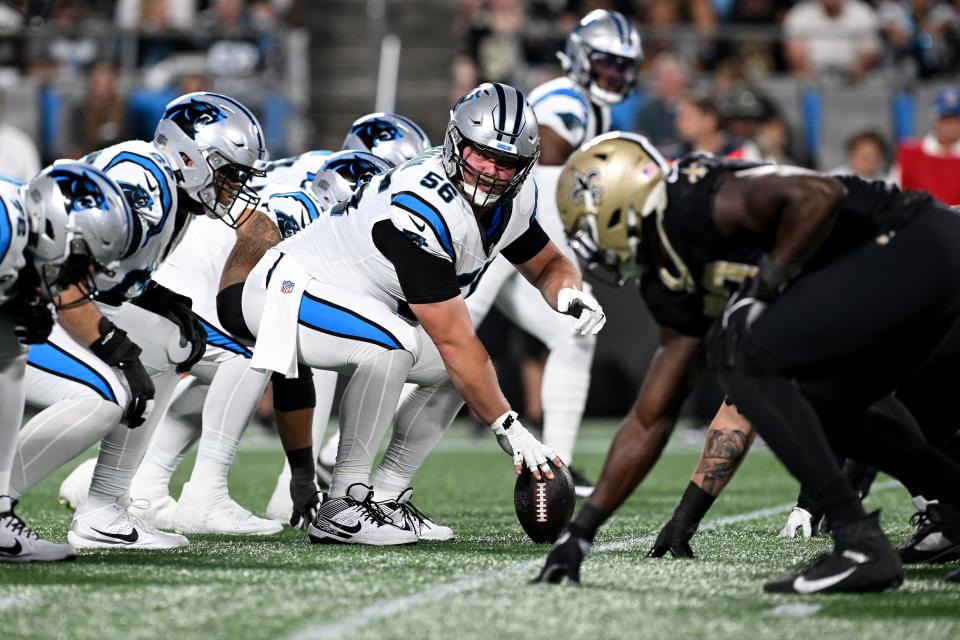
(424, 277)
(528, 245)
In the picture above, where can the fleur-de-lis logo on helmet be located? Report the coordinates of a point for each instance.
(584, 188)
(193, 115)
(79, 190)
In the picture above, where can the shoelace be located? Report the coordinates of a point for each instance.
(413, 517)
(13, 522)
(370, 511)
(138, 503)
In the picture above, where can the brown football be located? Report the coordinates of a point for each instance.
(544, 507)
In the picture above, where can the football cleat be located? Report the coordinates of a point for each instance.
(73, 489)
(675, 538)
(280, 505)
(564, 559)
(862, 560)
(20, 543)
(152, 502)
(402, 513)
(937, 538)
(210, 509)
(355, 519)
(582, 487)
(113, 527)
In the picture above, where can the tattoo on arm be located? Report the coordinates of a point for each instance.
(254, 237)
(723, 451)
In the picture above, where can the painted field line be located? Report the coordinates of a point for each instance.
(342, 626)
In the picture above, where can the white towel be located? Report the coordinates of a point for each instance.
(276, 348)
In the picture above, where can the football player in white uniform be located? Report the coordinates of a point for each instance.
(375, 291)
(55, 230)
(204, 151)
(601, 58)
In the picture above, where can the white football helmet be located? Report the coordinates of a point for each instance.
(215, 144)
(605, 45)
(342, 172)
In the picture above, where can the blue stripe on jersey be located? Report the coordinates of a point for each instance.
(326, 317)
(6, 230)
(166, 198)
(409, 201)
(54, 360)
(303, 199)
(217, 338)
(564, 92)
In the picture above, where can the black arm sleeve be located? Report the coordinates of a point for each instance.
(528, 245)
(424, 278)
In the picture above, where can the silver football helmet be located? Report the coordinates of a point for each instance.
(82, 225)
(215, 144)
(342, 172)
(496, 120)
(388, 136)
(603, 49)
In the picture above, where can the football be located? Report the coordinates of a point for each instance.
(544, 507)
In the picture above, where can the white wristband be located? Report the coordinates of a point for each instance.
(504, 422)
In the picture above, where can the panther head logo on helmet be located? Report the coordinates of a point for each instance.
(373, 132)
(79, 190)
(193, 115)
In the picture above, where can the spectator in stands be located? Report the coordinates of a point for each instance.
(103, 121)
(773, 139)
(493, 46)
(20, 158)
(920, 33)
(933, 163)
(698, 124)
(867, 156)
(743, 110)
(656, 119)
(832, 37)
(156, 14)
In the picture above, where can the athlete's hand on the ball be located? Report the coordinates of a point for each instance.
(526, 450)
(584, 307)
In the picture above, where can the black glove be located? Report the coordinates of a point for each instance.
(564, 559)
(117, 350)
(675, 538)
(306, 501)
(32, 319)
(176, 308)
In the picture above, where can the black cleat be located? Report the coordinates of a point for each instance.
(937, 538)
(582, 487)
(862, 560)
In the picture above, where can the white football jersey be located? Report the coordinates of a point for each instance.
(195, 267)
(565, 107)
(419, 200)
(146, 177)
(295, 170)
(14, 232)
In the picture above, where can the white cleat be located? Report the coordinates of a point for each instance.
(402, 513)
(280, 507)
(113, 527)
(20, 543)
(155, 507)
(355, 519)
(73, 489)
(204, 509)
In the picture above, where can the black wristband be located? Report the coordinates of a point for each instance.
(113, 346)
(693, 505)
(586, 523)
(301, 462)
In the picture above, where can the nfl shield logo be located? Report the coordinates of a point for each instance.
(286, 286)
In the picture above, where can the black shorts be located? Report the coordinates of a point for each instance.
(859, 327)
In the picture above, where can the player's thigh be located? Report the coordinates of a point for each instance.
(158, 338)
(61, 369)
(489, 288)
(428, 368)
(338, 329)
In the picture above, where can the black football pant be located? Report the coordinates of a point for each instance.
(844, 336)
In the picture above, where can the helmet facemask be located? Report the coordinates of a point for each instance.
(229, 194)
(77, 269)
(484, 190)
(618, 74)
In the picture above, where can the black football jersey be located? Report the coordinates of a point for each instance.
(700, 268)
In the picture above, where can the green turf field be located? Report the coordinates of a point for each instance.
(282, 587)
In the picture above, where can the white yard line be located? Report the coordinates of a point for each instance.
(339, 627)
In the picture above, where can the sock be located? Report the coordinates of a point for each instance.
(693, 505)
(566, 382)
(180, 428)
(12, 397)
(368, 406)
(325, 387)
(301, 463)
(588, 521)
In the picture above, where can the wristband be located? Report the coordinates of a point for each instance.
(502, 424)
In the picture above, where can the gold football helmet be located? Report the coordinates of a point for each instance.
(606, 189)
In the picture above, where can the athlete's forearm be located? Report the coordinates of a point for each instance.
(81, 322)
(728, 440)
(254, 238)
(558, 274)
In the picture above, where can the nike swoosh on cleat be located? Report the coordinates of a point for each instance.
(349, 529)
(133, 536)
(419, 225)
(12, 551)
(802, 585)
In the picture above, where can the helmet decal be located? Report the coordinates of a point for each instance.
(192, 116)
(373, 132)
(354, 170)
(137, 197)
(79, 190)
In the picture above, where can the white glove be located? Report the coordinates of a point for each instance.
(799, 519)
(516, 440)
(584, 307)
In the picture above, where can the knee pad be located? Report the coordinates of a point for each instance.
(230, 311)
(293, 394)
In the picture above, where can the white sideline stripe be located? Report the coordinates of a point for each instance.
(339, 627)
